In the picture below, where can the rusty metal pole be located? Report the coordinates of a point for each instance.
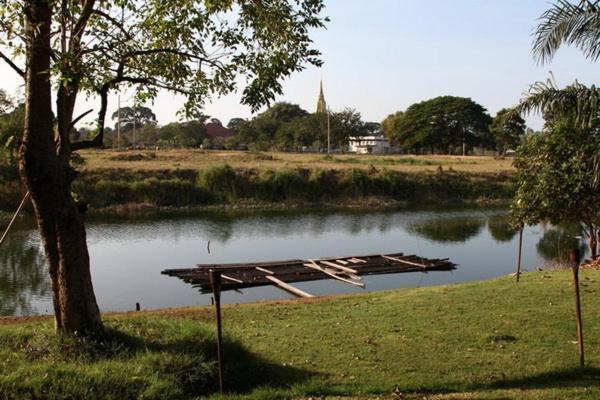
(520, 251)
(575, 260)
(215, 280)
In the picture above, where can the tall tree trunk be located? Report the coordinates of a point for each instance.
(48, 178)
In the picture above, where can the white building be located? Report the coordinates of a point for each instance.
(373, 144)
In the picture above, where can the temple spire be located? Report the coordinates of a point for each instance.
(321, 104)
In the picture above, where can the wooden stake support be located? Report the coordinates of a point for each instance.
(576, 260)
(215, 278)
(519, 253)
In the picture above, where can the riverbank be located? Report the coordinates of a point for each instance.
(485, 340)
(133, 181)
(225, 186)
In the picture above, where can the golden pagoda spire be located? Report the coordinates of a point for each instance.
(321, 104)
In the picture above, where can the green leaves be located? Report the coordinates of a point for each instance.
(571, 24)
(507, 129)
(442, 123)
(577, 101)
(556, 177)
(198, 48)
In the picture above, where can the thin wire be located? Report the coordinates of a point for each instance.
(14, 218)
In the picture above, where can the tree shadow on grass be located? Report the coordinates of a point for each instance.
(559, 379)
(562, 378)
(244, 371)
(191, 361)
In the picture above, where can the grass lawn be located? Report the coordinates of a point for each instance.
(486, 340)
(198, 159)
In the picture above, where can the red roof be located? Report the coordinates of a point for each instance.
(216, 131)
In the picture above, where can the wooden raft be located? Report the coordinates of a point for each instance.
(283, 273)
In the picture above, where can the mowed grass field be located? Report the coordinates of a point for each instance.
(200, 159)
(495, 339)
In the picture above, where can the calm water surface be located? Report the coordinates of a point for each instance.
(128, 254)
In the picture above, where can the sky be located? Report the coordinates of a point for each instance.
(383, 55)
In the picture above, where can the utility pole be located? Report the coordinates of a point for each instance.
(328, 133)
(119, 95)
(119, 121)
(134, 119)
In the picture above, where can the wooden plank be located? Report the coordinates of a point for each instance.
(229, 278)
(342, 262)
(356, 260)
(334, 265)
(404, 261)
(288, 288)
(332, 274)
(265, 270)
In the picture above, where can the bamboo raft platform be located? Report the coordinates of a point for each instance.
(282, 273)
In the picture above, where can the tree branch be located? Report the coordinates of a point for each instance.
(79, 118)
(98, 140)
(114, 21)
(86, 12)
(13, 65)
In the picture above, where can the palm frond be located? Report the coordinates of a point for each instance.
(571, 24)
(576, 100)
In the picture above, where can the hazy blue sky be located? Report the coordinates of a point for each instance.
(383, 55)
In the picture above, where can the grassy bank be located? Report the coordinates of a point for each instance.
(226, 185)
(485, 340)
(140, 179)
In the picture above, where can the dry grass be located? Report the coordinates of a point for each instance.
(199, 159)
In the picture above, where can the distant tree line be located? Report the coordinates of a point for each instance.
(288, 127)
(443, 125)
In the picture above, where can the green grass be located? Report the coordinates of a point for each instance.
(487, 340)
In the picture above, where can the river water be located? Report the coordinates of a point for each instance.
(128, 254)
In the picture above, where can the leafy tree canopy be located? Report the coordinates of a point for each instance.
(507, 129)
(388, 125)
(283, 112)
(556, 178)
(234, 123)
(138, 115)
(443, 123)
(345, 124)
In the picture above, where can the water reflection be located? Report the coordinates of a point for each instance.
(128, 253)
(556, 243)
(449, 230)
(501, 229)
(23, 277)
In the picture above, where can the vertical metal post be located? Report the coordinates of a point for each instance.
(575, 260)
(520, 252)
(215, 280)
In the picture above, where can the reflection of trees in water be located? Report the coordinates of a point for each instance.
(22, 274)
(453, 226)
(448, 230)
(556, 243)
(501, 229)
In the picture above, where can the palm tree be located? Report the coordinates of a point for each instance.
(571, 24)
